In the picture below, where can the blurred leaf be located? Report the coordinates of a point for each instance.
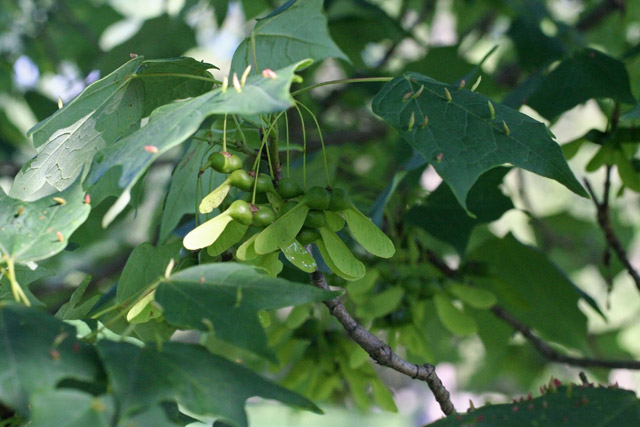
(298, 33)
(444, 218)
(381, 304)
(462, 140)
(36, 352)
(454, 319)
(549, 300)
(226, 297)
(73, 408)
(73, 309)
(202, 383)
(585, 75)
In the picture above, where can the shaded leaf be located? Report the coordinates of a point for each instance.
(73, 309)
(36, 352)
(444, 218)
(298, 33)
(202, 383)
(145, 265)
(462, 139)
(473, 296)
(73, 408)
(533, 289)
(455, 320)
(228, 296)
(585, 75)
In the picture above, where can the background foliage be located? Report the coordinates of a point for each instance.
(452, 136)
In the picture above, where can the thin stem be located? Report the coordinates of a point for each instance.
(324, 151)
(16, 289)
(304, 147)
(340, 81)
(186, 76)
(253, 51)
(224, 134)
(286, 125)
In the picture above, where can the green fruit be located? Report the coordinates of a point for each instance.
(339, 200)
(307, 235)
(241, 212)
(241, 179)
(317, 198)
(264, 183)
(263, 216)
(315, 219)
(224, 162)
(288, 188)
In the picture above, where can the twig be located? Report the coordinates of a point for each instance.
(604, 221)
(539, 344)
(381, 352)
(552, 355)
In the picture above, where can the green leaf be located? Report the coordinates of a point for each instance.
(104, 112)
(573, 405)
(202, 383)
(585, 75)
(473, 296)
(327, 259)
(548, 300)
(182, 194)
(30, 229)
(226, 297)
(144, 310)
(207, 233)
(37, 351)
(283, 231)
(73, 309)
(381, 304)
(367, 234)
(145, 265)
(462, 140)
(382, 395)
(299, 32)
(334, 221)
(298, 256)
(455, 320)
(232, 234)
(171, 124)
(246, 251)
(73, 408)
(628, 174)
(443, 217)
(341, 257)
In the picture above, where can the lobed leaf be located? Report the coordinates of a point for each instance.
(462, 138)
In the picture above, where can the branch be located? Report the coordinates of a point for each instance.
(604, 221)
(538, 343)
(381, 352)
(552, 355)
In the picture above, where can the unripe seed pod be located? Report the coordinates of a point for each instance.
(288, 188)
(307, 236)
(263, 215)
(315, 219)
(317, 198)
(241, 212)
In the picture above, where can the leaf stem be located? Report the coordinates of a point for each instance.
(324, 150)
(16, 289)
(335, 82)
(304, 147)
